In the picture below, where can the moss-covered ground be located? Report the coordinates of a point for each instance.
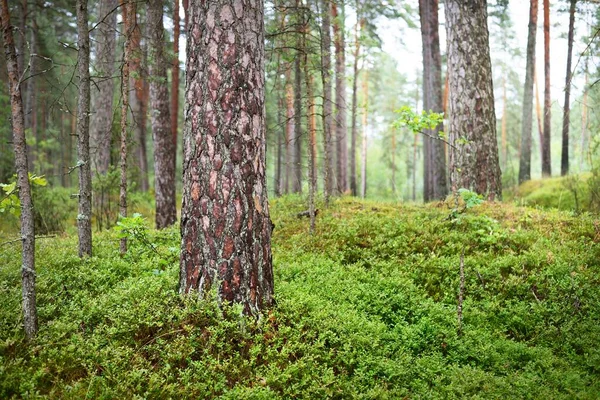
(366, 309)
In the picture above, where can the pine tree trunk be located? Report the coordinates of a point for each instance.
(289, 128)
(394, 190)
(353, 133)
(311, 123)
(84, 217)
(225, 224)
(564, 160)
(297, 140)
(526, 127)
(103, 89)
(30, 321)
(538, 113)
(546, 150)
(340, 97)
(128, 10)
(327, 106)
(472, 121)
(584, 117)
(164, 147)
(435, 180)
(175, 80)
(365, 119)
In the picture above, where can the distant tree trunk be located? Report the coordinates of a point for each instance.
(164, 146)
(280, 133)
(546, 151)
(538, 112)
(102, 115)
(225, 224)
(525, 156)
(584, 119)
(30, 321)
(32, 91)
(175, 80)
(503, 140)
(394, 190)
(297, 141)
(289, 128)
(128, 10)
(327, 106)
(357, 32)
(564, 160)
(84, 217)
(365, 119)
(472, 115)
(340, 96)
(311, 123)
(138, 100)
(435, 180)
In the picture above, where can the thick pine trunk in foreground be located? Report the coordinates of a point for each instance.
(20, 147)
(103, 89)
(527, 120)
(225, 224)
(435, 177)
(472, 117)
(164, 146)
(564, 160)
(341, 141)
(546, 145)
(84, 217)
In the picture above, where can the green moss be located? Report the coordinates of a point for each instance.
(366, 308)
(569, 193)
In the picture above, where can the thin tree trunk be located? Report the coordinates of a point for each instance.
(434, 153)
(84, 217)
(525, 153)
(353, 134)
(137, 100)
(584, 105)
(164, 146)
(365, 118)
(564, 160)
(394, 161)
(32, 90)
(503, 126)
(175, 79)
(280, 133)
(289, 128)
(546, 150)
(311, 122)
(103, 89)
(538, 112)
(297, 142)
(472, 122)
(30, 321)
(128, 10)
(327, 106)
(225, 224)
(340, 96)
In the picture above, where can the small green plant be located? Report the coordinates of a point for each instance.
(10, 201)
(418, 123)
(135, 228)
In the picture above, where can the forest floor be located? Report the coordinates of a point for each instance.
(366, 308)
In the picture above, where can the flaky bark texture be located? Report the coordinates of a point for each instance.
(225, 224)
(164, 147)
(103, 89)
(341, 127)
(20, 147)
(435, 179)
(475, 164)
(525, 157)
(546, 145)
(84, 217)
(327, 106)
(564, 159)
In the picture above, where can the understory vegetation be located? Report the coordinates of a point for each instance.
(366, 308)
